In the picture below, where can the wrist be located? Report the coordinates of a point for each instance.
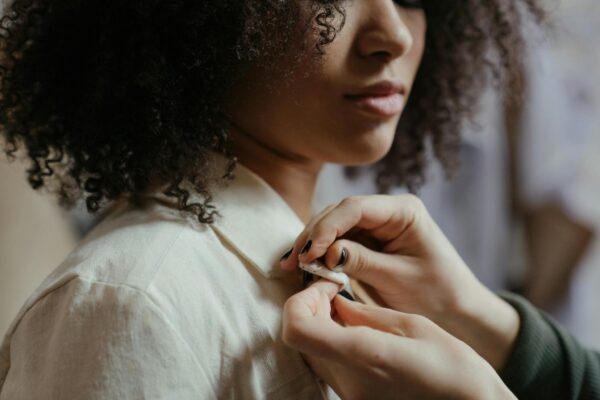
(484, 383)
(498, 390)
(488, 324)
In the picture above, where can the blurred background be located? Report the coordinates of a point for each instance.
(523, 211)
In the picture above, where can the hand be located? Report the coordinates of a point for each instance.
(393, 245)
(377, 353)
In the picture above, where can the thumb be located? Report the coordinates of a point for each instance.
(307, 325)
(363, 264)
(312, 302)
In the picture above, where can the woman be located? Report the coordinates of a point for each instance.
(442, 330)
(148, 106)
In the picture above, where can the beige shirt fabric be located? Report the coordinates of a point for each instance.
(154, 305)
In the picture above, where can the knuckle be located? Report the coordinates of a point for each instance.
(376, 356)
(322, 239)
(290, 335)
(415, 207)
(413, 201)
(352, 202)
(424, 323)
(414, 323)
(419, 321)
(322, 232)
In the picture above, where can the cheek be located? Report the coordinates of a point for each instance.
(418, 29)
(283, 111)
(304, 113)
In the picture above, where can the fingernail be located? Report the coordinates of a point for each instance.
(347, 295)
(343, 258)
(342, 261)
(307, 277)
(286, 255)
(306, 247)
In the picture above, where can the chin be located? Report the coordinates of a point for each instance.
(367, 158)
(371, 147)
(361, 153)
(357, 144)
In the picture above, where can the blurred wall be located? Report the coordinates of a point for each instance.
(34, 238)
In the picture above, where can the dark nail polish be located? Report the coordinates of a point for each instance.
(307, 278)
(306, 247)
(286, 255)
(347, 295)
(343, 258)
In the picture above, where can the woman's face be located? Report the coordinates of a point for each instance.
(344, 106)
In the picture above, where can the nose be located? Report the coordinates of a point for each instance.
(385, 36)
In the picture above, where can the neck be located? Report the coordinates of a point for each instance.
(292, 177)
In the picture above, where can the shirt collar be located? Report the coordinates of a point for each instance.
(255, 220)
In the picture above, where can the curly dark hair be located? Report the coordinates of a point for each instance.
(103, 96)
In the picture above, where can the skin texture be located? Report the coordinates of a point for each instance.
(380, 41)
(367, 352)
(394, 246)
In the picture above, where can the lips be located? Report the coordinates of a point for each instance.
(384, 99)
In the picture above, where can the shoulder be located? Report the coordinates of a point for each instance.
(113, 292)
(124, 254)
(130, 248)
(87, 338)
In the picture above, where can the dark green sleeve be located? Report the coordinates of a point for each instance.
(547, 362)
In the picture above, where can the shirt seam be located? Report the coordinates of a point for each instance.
(160, 262)
(160, 313)
(10, 334)
(139, 291)
(155, 270)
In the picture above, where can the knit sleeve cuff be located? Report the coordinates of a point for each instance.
(536, 355)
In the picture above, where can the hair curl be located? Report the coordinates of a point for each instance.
(103, 95)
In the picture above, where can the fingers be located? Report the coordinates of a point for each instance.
(375, 337)
(312, 302)
(308, 327)
(385, 217)
(363, 264)
(307, 324)
(289, 259)
(312, 336)
(379, 318)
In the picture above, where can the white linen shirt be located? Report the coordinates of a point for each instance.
(154, 305)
